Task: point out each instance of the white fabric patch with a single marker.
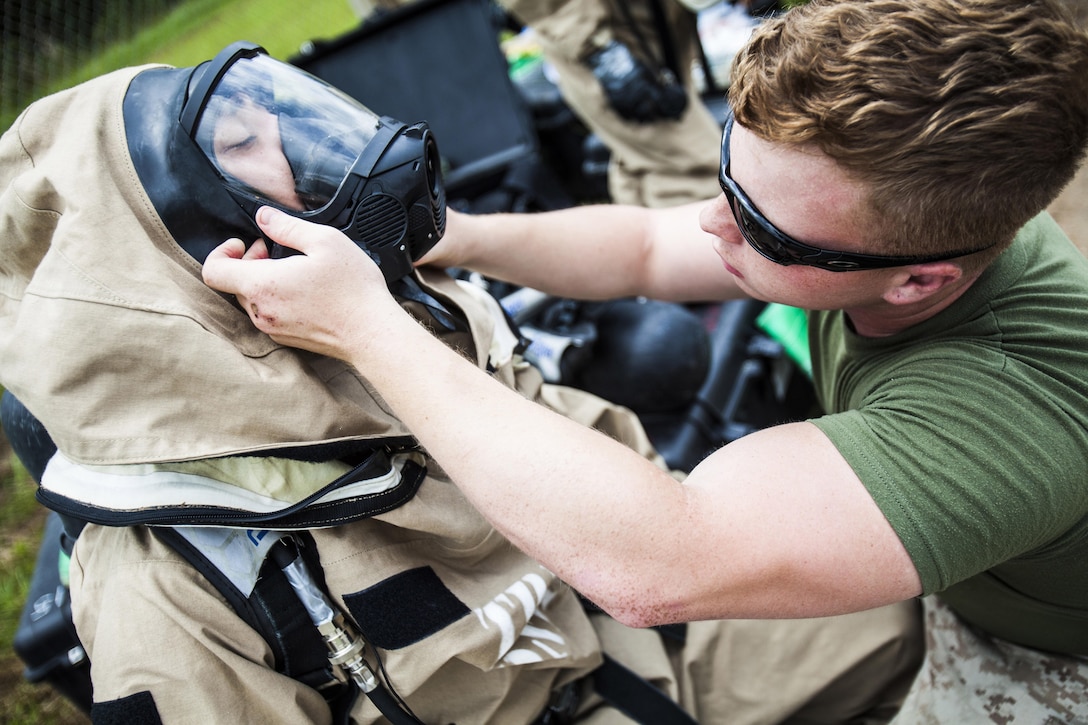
(536, 639)
(238, 553)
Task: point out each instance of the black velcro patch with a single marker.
(405, 608)
(136, 709)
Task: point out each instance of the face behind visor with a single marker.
(260, 131)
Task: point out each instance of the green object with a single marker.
(63, 565)
(788, 326)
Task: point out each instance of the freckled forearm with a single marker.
(569, 496)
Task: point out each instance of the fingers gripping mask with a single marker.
(263, 132)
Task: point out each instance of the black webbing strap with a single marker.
(629, 691)
(668, 60)
(636, 698)
(274, 611)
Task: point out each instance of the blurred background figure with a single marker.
(625, 69)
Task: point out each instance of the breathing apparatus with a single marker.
(246, 130)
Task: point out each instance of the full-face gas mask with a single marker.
(266, 132)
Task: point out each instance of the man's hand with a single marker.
(318, 300)
(448, 251)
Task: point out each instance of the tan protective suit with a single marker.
(139, 372)
(657, 164)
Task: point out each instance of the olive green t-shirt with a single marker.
(970, 430)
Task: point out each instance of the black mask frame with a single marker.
(391, 201)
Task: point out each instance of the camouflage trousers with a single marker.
(968, 677)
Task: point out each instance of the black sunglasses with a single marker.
(783, 249)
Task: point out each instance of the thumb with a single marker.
(298, 234)
(219, 263)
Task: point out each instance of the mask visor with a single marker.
(277, 134)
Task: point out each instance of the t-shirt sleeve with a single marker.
(971, 465)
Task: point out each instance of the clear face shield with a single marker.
(277, 135)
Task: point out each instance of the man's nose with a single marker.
(717, 218)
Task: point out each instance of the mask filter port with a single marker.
(380, 222)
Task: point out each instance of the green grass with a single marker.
(19, 514)
(21, 520)
(195, 31)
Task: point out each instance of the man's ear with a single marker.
(920, 281)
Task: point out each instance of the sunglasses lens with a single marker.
(760, 238)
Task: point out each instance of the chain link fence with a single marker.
(44, 41)
(48, 45)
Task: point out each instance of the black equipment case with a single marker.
(46, 639)
(440, 61)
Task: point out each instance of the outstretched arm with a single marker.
(592, 252)
(773, 525)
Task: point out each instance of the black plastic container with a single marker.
(46, 639)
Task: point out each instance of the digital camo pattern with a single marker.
(968, 677)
